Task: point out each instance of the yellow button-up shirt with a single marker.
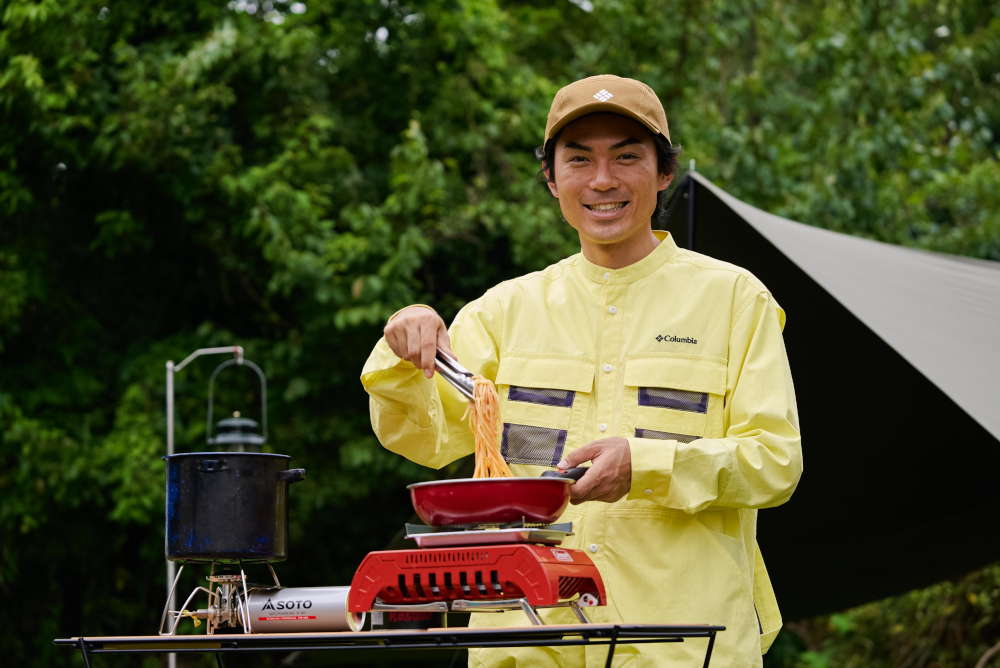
(682, 355)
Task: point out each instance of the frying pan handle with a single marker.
(574, 473)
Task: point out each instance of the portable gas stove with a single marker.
(238, 606)
(479, 568)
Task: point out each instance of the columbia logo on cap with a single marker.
(603, 95)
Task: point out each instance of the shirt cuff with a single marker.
(382, 359)
(652, 466)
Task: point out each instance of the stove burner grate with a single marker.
(487, 526)
(479, 534)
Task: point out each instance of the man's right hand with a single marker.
(415, 334)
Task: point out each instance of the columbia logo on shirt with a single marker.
(670, 338)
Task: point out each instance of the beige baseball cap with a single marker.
(606, 92)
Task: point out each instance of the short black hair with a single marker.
(666, 163)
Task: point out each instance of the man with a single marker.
(663, 368)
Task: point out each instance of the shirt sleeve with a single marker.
(421, 418)
(759, 462)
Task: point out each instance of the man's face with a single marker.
(606, 177)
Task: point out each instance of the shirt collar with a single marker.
(635, 271)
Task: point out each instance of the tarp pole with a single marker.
(690, 199)
(171, 566)
(171, 370)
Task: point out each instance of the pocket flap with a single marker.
(680, 373)
(549, 372)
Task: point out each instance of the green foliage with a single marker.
(185, 174)
(13, 291)
(948, 624)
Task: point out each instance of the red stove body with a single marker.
(542, 575)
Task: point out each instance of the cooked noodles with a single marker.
(484, 421)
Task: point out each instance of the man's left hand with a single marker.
(610, 475)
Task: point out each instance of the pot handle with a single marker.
(574, 473)
(292, 475)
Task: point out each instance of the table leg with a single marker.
(611, 646)
(218, 660)
(83, 651)
(711, 644)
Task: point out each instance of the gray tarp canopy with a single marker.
(896, 363)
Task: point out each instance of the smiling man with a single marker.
(662, 368)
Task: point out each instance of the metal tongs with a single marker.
(454, 373)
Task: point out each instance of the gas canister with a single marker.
(298, 609)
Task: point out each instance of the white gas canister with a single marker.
(302, 609)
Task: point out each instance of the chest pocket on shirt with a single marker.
(543, 402)
(674, 397)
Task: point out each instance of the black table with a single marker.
(454, 638)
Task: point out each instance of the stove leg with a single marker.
(246, 600)
(273, 574)
(166, 607)
(578, 611)
(530, 611)
(83, 651)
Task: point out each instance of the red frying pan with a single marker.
(494, 500)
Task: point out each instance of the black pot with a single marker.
(228, 506)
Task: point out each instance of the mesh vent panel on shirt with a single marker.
(664, 435)
(537, 395)
(679, 400)
(524, 444)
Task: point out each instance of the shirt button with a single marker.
(607, 276)
(647, 491)
(602, 427)
(593, 547)
(612, 310)
(607, 368)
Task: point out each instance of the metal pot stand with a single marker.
(228, 605)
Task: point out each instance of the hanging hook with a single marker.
(263, 392)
